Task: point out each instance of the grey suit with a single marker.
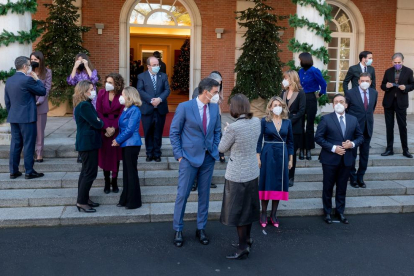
(241, 139)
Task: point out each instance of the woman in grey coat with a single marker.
(241, 196)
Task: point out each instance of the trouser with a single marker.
(131, 193)
(401, 114)
(23, 138)
(310, 114)
(186, 177)
(296, 142)
(40, 138)
(363, 158)
(87, 175)
(153, 125)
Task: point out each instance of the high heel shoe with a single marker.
(107, 188)
(249, 243)
(114, 183)
(308, 155)
(91, 210)
(93, 204)
(239, 255)
(301, 154)
(275, 223)
(263, 223)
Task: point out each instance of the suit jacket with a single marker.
(353, 76)
(20, 98)
(108, 113)
(297, 106)
(88, 126)
(129, 127)
(187, 136)
(241, 138)
(41, 101)
(356, 108)
(145, 88)
(406, 78)
(163, 67)
(329, 134)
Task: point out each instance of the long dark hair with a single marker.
(85, 56)
(118, 82)
(42, 67)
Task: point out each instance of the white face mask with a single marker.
(93, 95)
(109, 87)
(364, 85)
(339, 108)
(285, 83)
(277, 110)
(122, 100)
(215, 99)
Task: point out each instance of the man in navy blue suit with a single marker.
(154, 89)
(20, 98)
(195, 136)
(337, 133)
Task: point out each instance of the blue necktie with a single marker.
(154, 82)
(342, 124)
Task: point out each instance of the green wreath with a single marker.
(7, 37)
(19, 7)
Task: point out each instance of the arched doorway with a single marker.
(157, 9)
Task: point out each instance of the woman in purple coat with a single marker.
(45, 75)
(109, 110)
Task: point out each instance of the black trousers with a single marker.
(334, 175)
(310, 114)
(363, 158)
(401, 114)
(23, 137)
(153, 125)
(296, 142)
(88, 174)
(131, 193)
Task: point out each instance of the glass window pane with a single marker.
(136, 18)
(180, 12)
(334, 10)
(333, 64)
(333, 27)
(332, 74)
(343, 65)
(161, 18)
(345, 42)
(341, 17)
(332, 53)
(331, 87)
(342, 75)
(341, 88)
(344, 54)
(334, 42)
(143, 8)
(346, 27)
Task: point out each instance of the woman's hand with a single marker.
(258, 160)
(85, 62)
(110, 131)
(77, 63)
(290, 162)
(114, 143)
(225, 128)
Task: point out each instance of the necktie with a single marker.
(342, 124)
(365, 100)
(365, 69)
(205, 119)
(154, 82)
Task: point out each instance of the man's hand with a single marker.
(401, 87)
(340, 150)
(34, 76)
(225, 128)
(389, 85)
(179, 159)
(347, 144)
(155, 101)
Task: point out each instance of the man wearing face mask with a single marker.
(364, 66)
(20, 98)
(154, 89)
(362, 101)
(195, 136)
(397, 82)
(337, 133)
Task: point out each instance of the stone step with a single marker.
(170, 177)
(169, 163)
(156, 212)
(164, 194)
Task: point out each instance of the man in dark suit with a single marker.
(163, 67)
(20, 98)
(364, 66)
(362, 101)
(337, 134)
(154, 89)
(398, 81)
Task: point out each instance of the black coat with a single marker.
(353, 76)
(145, 88)
(88, 126)
(356, 108)
(406, 78)
(297, 106)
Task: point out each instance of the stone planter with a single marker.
(258, 107)
(5, 134)
(59, 111)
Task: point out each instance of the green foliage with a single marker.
(321, 30)
(60, 44)
(181, 76)
(19, 7)
(324, 10)
(323, 100)
(297, 47)
(3, 114)
(4, 75)
(7, 37)
(259, 68)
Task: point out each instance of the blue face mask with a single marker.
(369, 62)
(155, 69)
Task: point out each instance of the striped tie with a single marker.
(154, 82)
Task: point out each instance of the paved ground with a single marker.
(369, 245)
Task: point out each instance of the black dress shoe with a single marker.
(387, 153)
(343, 219)
(202, 237)
(33, 175)
(93, 204)
(328, 219)
(213, 186)
(301, 155)
(406, 153)
(149, 158)
(15, 175)
(194, 187)
(361, 183)
(157, 159)
(354, 184)
(308, 155)
(291, 182)
(39, 160)
(239, 254)
(120, 205)
(178, 239)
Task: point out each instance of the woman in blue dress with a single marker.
(275, 157)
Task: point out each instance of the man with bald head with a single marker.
(154, 90)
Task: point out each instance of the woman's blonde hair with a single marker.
(269, 112)
(132, 96)
(80, 92)
(293, 79)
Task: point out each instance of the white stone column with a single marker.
(303, 35)
(13, 22)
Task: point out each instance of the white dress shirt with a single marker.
(201, 105)
(362, 94)
(339, 120)
(363, 68)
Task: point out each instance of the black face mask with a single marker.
(81, 67)
(34, 64)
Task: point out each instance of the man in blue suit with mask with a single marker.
(195, 136)
(20, 98)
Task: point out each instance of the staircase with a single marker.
(50, 201)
